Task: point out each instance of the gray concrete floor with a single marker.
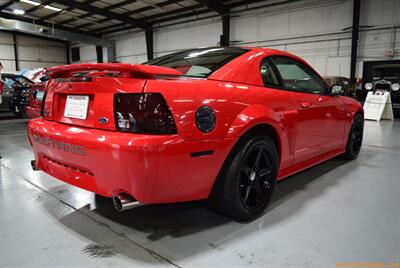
(335, 212)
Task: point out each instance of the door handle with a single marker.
(305, 105)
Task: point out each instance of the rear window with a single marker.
(201, 62)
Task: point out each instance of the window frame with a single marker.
(278, 74)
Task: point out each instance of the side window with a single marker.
(299, 77)
(268, 74)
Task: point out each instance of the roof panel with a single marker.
(42, 12)
(151, 12)
(137, 16)
(172, 7)
(135, 5)
(119, 10)
(64, 16)
(79, 11)
(188, 3)
(99, 17)
(99, 4)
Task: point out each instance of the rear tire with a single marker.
(354, 141)
(246, 181)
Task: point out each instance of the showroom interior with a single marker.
(336, 213)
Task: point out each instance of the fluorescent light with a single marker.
(30, 2)
(53, 8)
(18, 11)
(38, 4)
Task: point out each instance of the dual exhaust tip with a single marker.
(124, 202)
(121, 201)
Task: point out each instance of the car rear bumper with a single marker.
(151, 168)
(33, 112)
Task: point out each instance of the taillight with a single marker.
(143, 113)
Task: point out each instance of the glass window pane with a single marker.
(297, 76)
(199, 62)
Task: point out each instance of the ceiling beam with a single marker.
(149, 18)
(6, 4)
(29, 29)
(52, 15)
(42, 4)
(179, 14)
(43, 23)
(111, 7)
(104, 12)
(147, 8)
(215, 5)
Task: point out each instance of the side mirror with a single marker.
(336, 90)
(369, 86)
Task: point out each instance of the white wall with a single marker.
(32, 52)
(311, 29)
(38, 53)
(132, 48)
(87, 54)
(7, 51)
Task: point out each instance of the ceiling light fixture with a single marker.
(18, 11)
(33, 3)
(53, 8)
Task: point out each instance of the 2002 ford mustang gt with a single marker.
(222, 124)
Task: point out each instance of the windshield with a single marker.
(200, 62)
(387, 73)
(17, 80)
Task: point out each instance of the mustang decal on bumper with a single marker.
(66, 147)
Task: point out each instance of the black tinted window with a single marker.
(299, 77)
(198, 62)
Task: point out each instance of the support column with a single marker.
(149, 43)
(68, 52)
(16, 57)
(99, 53)
(354, 39)
(226, 29)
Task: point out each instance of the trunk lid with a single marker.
(91, 87)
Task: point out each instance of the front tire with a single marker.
(355, 138)
(246, 182)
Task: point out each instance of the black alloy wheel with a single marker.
(256, 178)
(355, 138)
(247, 179)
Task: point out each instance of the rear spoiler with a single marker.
(126, 70)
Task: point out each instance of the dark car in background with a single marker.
(15, 92)
(35, 99)
(37, 93)
(385, 78)
(349, 89)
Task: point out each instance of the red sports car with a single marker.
(223, 124)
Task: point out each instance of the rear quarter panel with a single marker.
(238, 108)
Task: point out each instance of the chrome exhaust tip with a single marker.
(34, 166)
(124, 202)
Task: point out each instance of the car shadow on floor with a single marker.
(168, 227)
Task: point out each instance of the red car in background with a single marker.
(223, 124)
